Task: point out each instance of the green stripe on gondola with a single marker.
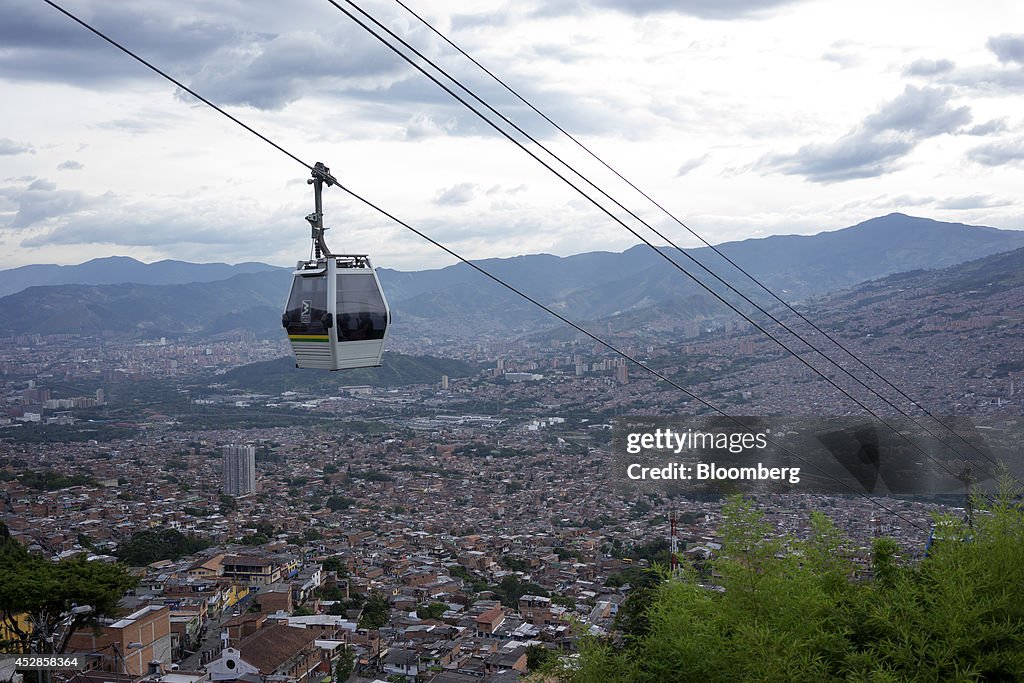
(309, 338)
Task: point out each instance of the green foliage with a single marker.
(335, 503)
(516, 564)
(341, 604)
(376, 612)
(86, 542)
(883, 561)
(48, 480)
(149, 546)
(255, 539)
(76, 433)
(597, 661)
(564, 601)
(47, 590)
(431, 469)
(632, 576)
(793, 610)
(332, 593)
(599, 522)
(432, 611)
(346, 664)
(228, 504)
(632, 616)
(653, 551)
(474, 582)
(512, 588)
(641, 508)
(230, 417)
(537, 656)
(334, 564)
(363, 427)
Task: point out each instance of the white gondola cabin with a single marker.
(336, 316)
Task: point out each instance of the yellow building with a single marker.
(234, 593)
(9, 641)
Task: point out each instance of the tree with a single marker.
(334, 564)
(149, 546)
(346, 664)
(48, 591)
(511, 589)
(336, 503)
(537, 656)
(790, 611)
(376, 612)
(227, 504)
(432, 611)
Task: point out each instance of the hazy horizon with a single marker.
(230, 262)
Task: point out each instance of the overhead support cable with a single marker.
(615, 218)
(482, 271)
(692, 232)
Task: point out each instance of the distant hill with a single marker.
(117, 269)
(974, 279)
(811, 265)
(249, 302)
(597, 285)
(280, 374)
(457, 301)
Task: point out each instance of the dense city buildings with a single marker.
(435, 529)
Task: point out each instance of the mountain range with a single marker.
(175, 298)
(120, 269)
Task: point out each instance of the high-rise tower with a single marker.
(239, 470)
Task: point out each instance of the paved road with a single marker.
(211, 643)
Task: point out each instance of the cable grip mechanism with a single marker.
(321, 174)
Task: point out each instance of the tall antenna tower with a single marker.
(673, 542)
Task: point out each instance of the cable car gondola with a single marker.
(336, 315)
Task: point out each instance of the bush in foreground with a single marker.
(792, 611)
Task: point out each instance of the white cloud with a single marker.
(657, 88)
(1008, 47)
(999, 153)
(974, 201)
(877, 144)
(9, 147)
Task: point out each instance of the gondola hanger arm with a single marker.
(321, 174)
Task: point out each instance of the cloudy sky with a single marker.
(745, 117)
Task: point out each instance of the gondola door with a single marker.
(361, 314)
(308, 318)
